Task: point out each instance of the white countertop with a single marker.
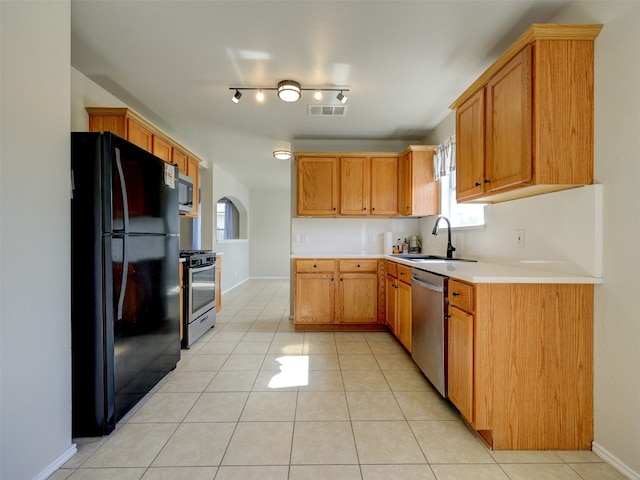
(477, 272)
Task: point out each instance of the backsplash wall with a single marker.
(347, 235)
(563, 233)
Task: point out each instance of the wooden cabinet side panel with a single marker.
(534, 365)
(563, 106)
(425, 191)
(509, 115)
(193, 171)
(384, 186)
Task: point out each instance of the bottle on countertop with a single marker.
(405, 246)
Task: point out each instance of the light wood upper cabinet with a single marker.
(193, 171)
(317, 186)
(369, 186)
(470, 148)
(384, 186)
(132, 127)
(162, 149)
(418, 192)
(534, 108)
(355, 185)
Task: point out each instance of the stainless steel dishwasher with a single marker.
(429, 330)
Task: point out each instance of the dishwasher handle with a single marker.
(429, 286)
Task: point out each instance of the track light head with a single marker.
(289, 90)
(342, 98)
(236, 96)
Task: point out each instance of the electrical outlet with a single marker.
(305, 238)
(519, 237)
(296, 238)
(370, 238)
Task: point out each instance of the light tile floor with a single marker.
(253, 399)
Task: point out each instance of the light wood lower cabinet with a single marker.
(398, 307)
(336, 293)
(521, 366)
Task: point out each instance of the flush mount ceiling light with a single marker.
(282, 154)
(289, 91)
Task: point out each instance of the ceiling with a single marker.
(404, 63)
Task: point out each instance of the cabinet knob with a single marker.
(334, 209)
(455, 294)
(315, 266)
(373, 208)
(486, 180)
(358, 265)
(478, 184)
(364, 208)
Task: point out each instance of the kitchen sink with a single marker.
(419, 258)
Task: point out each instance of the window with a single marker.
(459, 214)
(227, 220)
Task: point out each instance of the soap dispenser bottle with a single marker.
(405, 246)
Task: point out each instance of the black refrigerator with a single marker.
(124, 278)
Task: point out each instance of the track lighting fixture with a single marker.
(289, 91)
(282, 154)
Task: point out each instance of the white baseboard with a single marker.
(57, 463)
(614, 461)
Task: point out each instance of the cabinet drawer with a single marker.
(461, 295)
(404, 274)
(315, 265)
(354, 265)
(392, 268)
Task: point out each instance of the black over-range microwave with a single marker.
(185, 193)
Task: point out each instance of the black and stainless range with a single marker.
(199, 294)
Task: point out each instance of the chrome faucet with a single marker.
(450, 248)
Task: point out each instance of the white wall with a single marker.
(617, 167)
(235, 260)
(35, 312)
(270, 233)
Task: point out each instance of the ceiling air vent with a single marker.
(326, 110)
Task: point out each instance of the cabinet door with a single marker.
(193, 171)
(391, 294)
(358, 298)
(354, 186)
(161, 149)
(403, 330)
(509, 114)
(470, 148)
(460, 362)
(384, 186)
(317, 186)
(140, 136)
(314, 298)
(179, 158)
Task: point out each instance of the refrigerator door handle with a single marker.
(123, 189)
(125, 250)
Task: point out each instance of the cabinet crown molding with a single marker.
(536, 32)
